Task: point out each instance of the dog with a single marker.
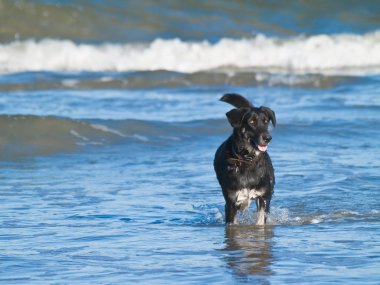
(242, 165)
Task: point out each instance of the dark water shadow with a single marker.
(249, 252)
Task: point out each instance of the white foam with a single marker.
(340, 53)
(108, 130)
(141, 138)
(77, 135)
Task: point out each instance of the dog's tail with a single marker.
(236, 100)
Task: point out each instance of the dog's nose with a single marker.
(267, 138)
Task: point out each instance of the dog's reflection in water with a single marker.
(249, 250)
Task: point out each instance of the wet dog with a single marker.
(242, 164)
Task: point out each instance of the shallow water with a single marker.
(107, 174)
(138, 200)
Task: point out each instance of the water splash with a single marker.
(214, 215)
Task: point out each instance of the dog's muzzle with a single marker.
(264, 140)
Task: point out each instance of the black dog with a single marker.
(242, 165)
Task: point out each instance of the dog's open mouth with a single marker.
(262, 148)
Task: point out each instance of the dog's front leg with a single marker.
(263, 206)
(231, 213)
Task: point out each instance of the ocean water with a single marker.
(109, 121)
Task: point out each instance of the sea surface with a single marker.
(110, 118)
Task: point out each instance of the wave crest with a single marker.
(338, 54)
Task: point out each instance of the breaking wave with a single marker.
(326, 54)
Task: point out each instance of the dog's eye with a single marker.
(265, 121)
(252, 122)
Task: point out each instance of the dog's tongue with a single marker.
(262, 148)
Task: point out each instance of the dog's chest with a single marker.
(246, 177)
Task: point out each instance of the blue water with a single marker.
(106, 173)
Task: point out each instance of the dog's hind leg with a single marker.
(231, 214)
(263, 206)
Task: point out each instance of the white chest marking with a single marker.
(244, 197)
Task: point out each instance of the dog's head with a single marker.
(250, 122)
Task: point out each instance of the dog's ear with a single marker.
(235, 116)
(270, 114)
(236, 100)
